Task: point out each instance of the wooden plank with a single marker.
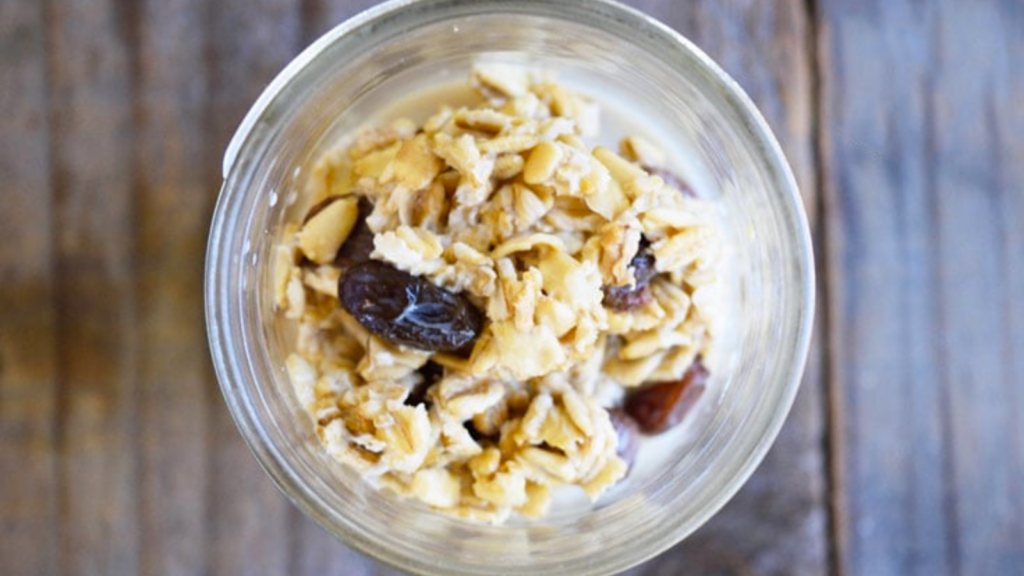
(1005, 123)
(319, 16)
(923, 147)
(778, 523)
(92, 162)
(883, 304)
(28, 364)
(174, 198)
(248, 519)
(978, 147)
(316, 552)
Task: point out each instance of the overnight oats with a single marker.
(489, 307)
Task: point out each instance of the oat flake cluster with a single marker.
(506, 205)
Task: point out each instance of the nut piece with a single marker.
(415, 165)
(622, 170)
(507, 166)
(316, 208)
(544, 159)
(327, 229)
(359, 244)
(643, 151)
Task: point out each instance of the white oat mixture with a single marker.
(506, 209)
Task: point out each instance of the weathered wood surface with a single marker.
(91, 95)
(249, 42)
(29, 479)
(172, 208)
(923, 147)
(117, 455)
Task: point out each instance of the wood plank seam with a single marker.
(213, 405)
(78, 555)
(128, 15)
(830, 444)
(61, 403)
(58, 370)
(835, 455)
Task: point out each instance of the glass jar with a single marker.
(332, 88)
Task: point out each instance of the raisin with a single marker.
(628, 297)
(627, 430)
(359, 244)
(672, 179)
(662, 405)
(430, 373)
(624, 298)
(407, 310)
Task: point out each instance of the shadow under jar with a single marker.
(400, 47)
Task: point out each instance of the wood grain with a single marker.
(28, 358)
(319, 16)
(92, 140)
(174, 195)
(978, 166)
(248, 519)
(923, 147)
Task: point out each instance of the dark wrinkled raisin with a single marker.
(624, 298)
(319, 206)
(643, 263)
(662, 405)
(408, 310)
(627, 430)
(430, 373)
(628, 297)
(672, 179)
(359, 244)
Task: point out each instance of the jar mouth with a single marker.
(236, 340)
